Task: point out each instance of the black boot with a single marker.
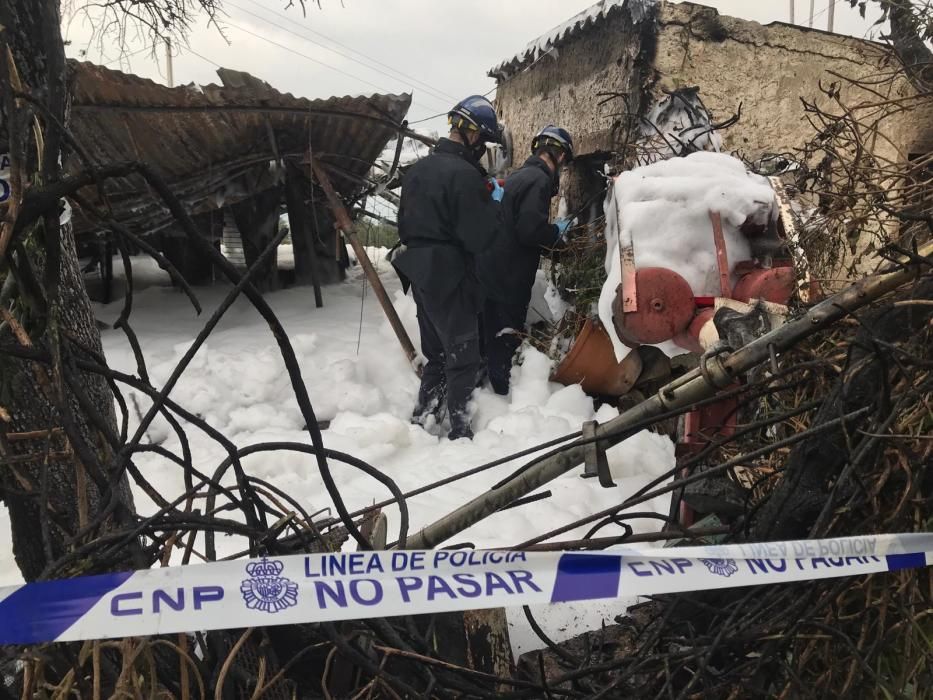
(435, 406)
(460, 428)
(463, 366)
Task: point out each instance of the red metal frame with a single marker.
(718, 419)
(700, 426)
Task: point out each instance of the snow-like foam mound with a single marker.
(664, 210)
(237, 382)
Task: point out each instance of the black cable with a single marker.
(358, 53)
(312, 59)
(229, 3)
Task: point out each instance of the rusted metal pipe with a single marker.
(346, 225)
(722, 258)
(715, 373)
(627, 257)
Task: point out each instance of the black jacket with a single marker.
(507, 271)
(446, 217)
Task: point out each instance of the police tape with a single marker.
(357, 585)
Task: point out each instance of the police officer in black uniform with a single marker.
(446, 217)
(507, 271)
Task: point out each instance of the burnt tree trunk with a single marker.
(258, 220)
(299, 221)
(55, 436)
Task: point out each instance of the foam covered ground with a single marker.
(359, 379)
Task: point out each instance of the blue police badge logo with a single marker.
(266, 589)
(721, 567)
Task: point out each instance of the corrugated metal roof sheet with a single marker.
(202, 138)
(550, 41)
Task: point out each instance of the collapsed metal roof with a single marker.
(218, 143)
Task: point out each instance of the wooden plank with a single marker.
(488, 646)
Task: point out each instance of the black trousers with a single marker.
(502, 325)
(451, 345)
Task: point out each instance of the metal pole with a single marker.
(719, 372)
(169, 76)
(601, 542)
(791, 11)
(722, 258)
(345, 225)
(832, 15)
(812, 7)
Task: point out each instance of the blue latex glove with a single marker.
(497, 190)
(562, 226)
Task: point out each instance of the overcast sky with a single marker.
(442, 47)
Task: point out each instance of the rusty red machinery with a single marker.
(654, 305)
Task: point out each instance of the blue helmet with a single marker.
(554, 136)
(476, 112)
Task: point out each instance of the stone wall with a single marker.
(768, 69)
(606, 75)
(572, 85)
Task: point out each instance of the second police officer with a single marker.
(508, 269)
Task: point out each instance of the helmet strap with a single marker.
(476, 149)
(552, 153)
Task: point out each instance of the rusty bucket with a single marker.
(592, 363)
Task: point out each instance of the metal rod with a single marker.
(627, 271)
(345, 225)
(714, 373)
(812, 7)
(722, 258)
(832, 15)
(602, 542)
(791, 11)
(534, 498)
